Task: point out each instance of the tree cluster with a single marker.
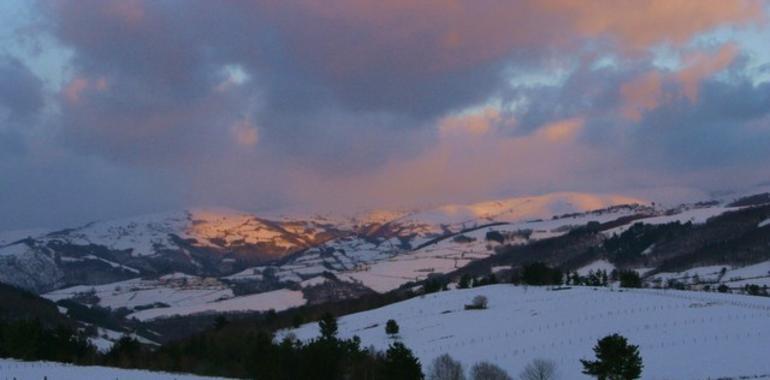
(541, 274)
(468, 281)
(31, 340)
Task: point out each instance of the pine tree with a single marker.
(391, 327)
(615, 360)
(465, 282)
(328, 326)
(401, 364)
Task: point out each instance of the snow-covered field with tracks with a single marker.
(681, 335)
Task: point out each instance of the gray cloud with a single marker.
(21, 99)
(150, 118)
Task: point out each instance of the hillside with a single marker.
(718, 335)
(15, 369)
(18, 304)
(166, 266)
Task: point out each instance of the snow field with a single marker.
(277, 300)
(20, 370)
(681, 335)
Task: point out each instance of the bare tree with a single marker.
(446, 368)
(539, 369)
(488, 371)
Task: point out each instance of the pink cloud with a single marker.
(446, 35)
(78, 86)
(646, 92)
(640, 24)
(702, 65)
(642, 94)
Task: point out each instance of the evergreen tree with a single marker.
(401, 364)
(391, 327)
(328, 326)
(630, 279)
(297, 320)
(605, 279)
(220, 322)
(541, 274)
(465, 282)
(616, 359)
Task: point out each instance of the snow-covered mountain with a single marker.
(220, 242)
(214, 260)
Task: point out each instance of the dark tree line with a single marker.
(222, 351)
(31, 340)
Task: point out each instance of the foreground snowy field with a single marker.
(681, 335)
(19, 370)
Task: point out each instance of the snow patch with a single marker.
(596, 266)
(277, 300)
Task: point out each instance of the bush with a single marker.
(539, 369)
(479, 303)
(446, 368)
(615, 359)
(391, 327)
(488, 371)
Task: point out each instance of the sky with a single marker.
(117, 108)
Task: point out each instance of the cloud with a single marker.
(646, 92)
(21, 92)
(270, 103)
(21, 99)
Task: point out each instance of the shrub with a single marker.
(479, 302)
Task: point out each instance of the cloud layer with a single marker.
(369, 103)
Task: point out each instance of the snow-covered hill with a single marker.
(220, 242)
(21, 370)
(212, 260)
(717, 335)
